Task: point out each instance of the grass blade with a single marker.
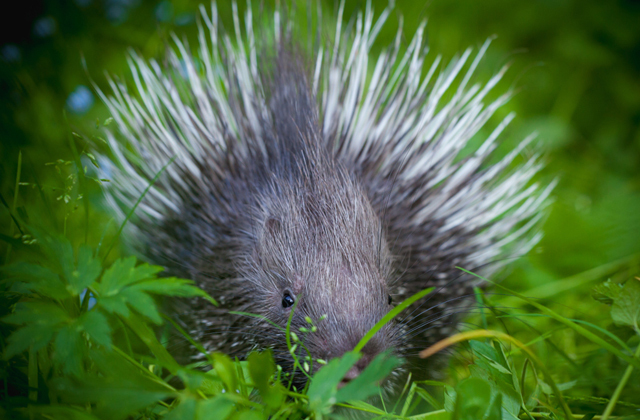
(389, 316)
(577, 328)
(135, 206)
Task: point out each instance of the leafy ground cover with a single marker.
(82, 338)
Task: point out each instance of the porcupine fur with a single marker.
(337, 182)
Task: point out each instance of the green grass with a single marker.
(80, 340)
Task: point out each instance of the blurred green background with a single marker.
(575, 67)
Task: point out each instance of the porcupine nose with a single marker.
(351, 375)
(355, 370)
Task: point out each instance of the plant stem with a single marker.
(144, 370)
(135, 206)
(619, 388)
(14, 205)
(33, 375)
(480, 301)
(575, 416)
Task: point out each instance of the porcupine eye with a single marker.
(287, 300)
(390, 300)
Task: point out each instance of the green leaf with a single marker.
(120, 389)
(626, 306)
(148, 337)
(172, 286)
(97, 327)
(58, 412)
(366, 407)
(114, 304)
(261, 369)
(566, 321)
(607, 292)
(474, 401)
(510, 399)
(324, 384)
(251, 415)
(492, 366)
(116, 276)
(37, 312)
(41, 320)
(34, 336)
(69, 350)
(125, 286)
(218, 408)
(86, 272)
(185, 410)
(367, 383)
(115, 396)
(36, 279)
(142, 303)
(450, 398)
(225, 369)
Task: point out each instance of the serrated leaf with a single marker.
(114, 304)
(116, 276)
(36, 279)
(69, 349)
(123, 272)
(86, 271)
(626, 307)
(97, 327)
(366, 384)
(125, 286)
(492, 367)
(510, 399)
(37, 312)
(118, 392)
(31, 336)
(141, 303)
(606, 292)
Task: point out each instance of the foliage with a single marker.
(83, 343)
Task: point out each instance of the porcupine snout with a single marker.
(321, 247)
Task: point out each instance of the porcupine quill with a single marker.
(338, 185)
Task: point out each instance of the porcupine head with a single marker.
(319, 183)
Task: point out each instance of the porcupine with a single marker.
(330, 184)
